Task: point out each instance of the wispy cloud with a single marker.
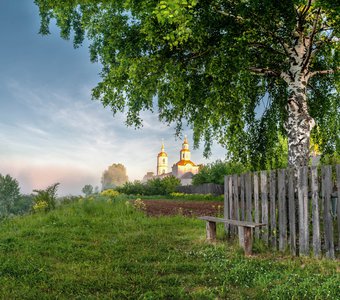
(81, 136)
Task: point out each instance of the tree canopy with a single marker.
(239, 72)
(9, 194)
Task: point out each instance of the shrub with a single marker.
(109, 193)
(45, 200)
(155, 186)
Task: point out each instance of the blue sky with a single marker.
(50, 129)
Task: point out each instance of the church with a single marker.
(184, 169)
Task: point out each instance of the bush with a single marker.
(156, 186)
(45, 200)
(110, 193)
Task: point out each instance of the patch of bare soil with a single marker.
(185, 208)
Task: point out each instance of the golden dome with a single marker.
(160, 154)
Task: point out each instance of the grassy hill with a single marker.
(105, 250)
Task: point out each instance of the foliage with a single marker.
(22, 205)
(155, 186)
(96, 249)
(114, 176)
(139, 204)
(331, 159)
(219, 65)
(196, 197)
(215, 172)
(9, 194)
(109, 193)
(45, 200)
(87, 189)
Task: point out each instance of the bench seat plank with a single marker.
(232, 222)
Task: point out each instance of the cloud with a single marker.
(70, 139)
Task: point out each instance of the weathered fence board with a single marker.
(282, 210)
(236, 215)
(264, 203)
(328, 223)
(338, 204)
(292, 214)
(226, 203)
(315, 212)
(242, 206)
(303, 231)
(256, 204)
(272, 196)
(248, 197)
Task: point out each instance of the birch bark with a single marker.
(299, 123)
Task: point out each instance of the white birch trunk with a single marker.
(299, 123)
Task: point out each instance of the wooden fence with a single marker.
(206, 188)
(301, 211)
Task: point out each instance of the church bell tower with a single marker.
(162, 161)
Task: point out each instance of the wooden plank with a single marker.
(242, 206)
(248, 241)
(315, 212)
(236, 197)
(256, 203)
(338, 204)
(328, 224)
(211, 231)
(282, 210)
(231, 203)
(292, 215)
(300, 182)
(303, 210)
(272, 196)
(264, 204)
(248, 197)
(226, 203)
(233, 222)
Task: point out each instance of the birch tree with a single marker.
(239, 72)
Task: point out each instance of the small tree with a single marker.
(46, 199)
(87, 190)
(114, 176)
(9, 194)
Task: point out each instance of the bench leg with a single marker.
(248, 240)
(211, 230)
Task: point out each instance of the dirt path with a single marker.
(186, 208)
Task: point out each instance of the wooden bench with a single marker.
(247, 227)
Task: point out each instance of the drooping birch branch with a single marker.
(324, 72)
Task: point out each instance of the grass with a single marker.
(108, 250)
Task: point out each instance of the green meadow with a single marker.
(92, 249)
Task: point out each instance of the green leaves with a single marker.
(192, 61)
